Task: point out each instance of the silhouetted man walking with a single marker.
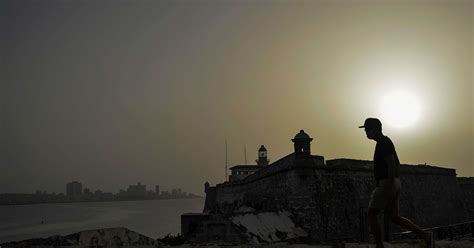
(387, 192)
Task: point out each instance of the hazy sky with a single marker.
(110, 93)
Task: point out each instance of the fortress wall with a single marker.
(467, 189)
(327, 200)
(431, 199)
(339, 196)
(267, 194)
(266, 190)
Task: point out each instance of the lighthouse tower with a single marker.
(262, 156)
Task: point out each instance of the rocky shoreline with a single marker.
(108, 237)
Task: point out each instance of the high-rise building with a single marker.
(157, 189)
(174, 193)
(138, 190)
(74, 188)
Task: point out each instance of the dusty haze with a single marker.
(110, 93)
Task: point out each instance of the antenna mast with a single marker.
(245, 154)
(225, 161)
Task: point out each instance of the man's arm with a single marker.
(392, 170)
(391, 166)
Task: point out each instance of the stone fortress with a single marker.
(303, 197)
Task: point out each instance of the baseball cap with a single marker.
(372, 123)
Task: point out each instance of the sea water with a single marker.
(152, 218)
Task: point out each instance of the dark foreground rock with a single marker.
(122, 237)
(107, 237)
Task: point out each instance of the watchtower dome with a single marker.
(302, 143)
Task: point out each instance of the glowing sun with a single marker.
(400, 109)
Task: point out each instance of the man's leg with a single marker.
(407, 224)
(393, 211)
(375, 227)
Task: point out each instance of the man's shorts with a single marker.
(382, 198)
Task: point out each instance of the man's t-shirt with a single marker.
(384, 148)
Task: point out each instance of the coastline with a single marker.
(105, 200)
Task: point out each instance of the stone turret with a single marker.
(302, 143)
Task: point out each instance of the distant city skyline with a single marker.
(77, 192)
(110, 93)
(82, 188)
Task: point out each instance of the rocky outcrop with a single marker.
(268, 227)
(108, 237)
(244, 226)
